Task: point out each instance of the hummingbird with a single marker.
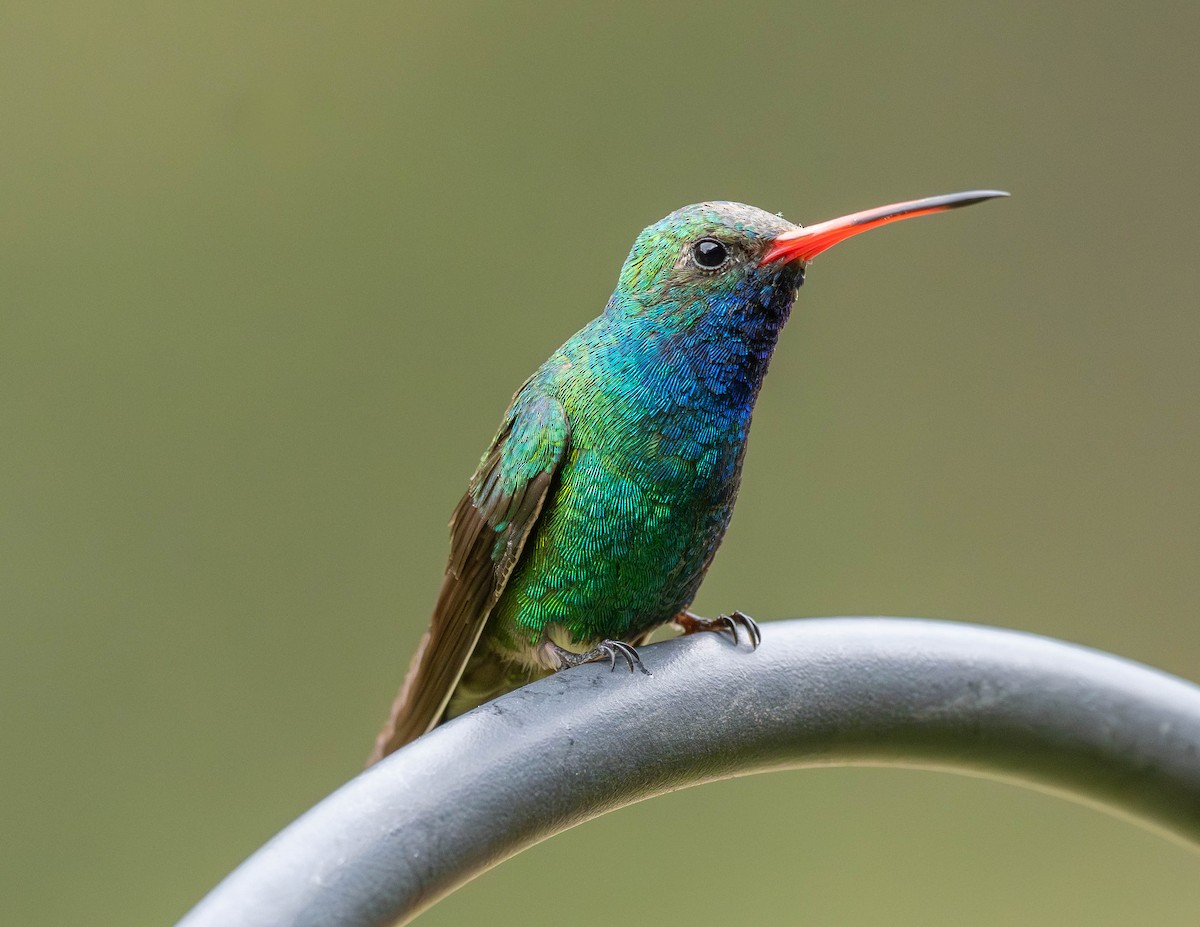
(601, 501)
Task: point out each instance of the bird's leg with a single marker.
(560, 658)
(722, 624)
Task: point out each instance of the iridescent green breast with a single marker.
(641, 502)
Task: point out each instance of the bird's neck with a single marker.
(728, 353)
(727, 347)
(690, 360)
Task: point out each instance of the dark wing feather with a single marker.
(487, 533)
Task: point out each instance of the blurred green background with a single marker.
(270, 273)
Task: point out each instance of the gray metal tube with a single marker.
(819, 692)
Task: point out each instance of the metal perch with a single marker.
(820, 692)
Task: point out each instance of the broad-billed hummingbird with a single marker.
(604, 495)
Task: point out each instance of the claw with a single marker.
(627, 652)
(722, 624)
(753, 631)
(609, 649)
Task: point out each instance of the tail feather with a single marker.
(404, 725)
(487, 675)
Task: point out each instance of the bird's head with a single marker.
(738, 261)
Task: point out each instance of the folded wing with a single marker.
(488, 531)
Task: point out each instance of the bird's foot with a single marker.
(605, 650)
(722, 624)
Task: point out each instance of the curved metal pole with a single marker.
(818, 692)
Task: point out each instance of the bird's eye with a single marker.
(709, 254)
